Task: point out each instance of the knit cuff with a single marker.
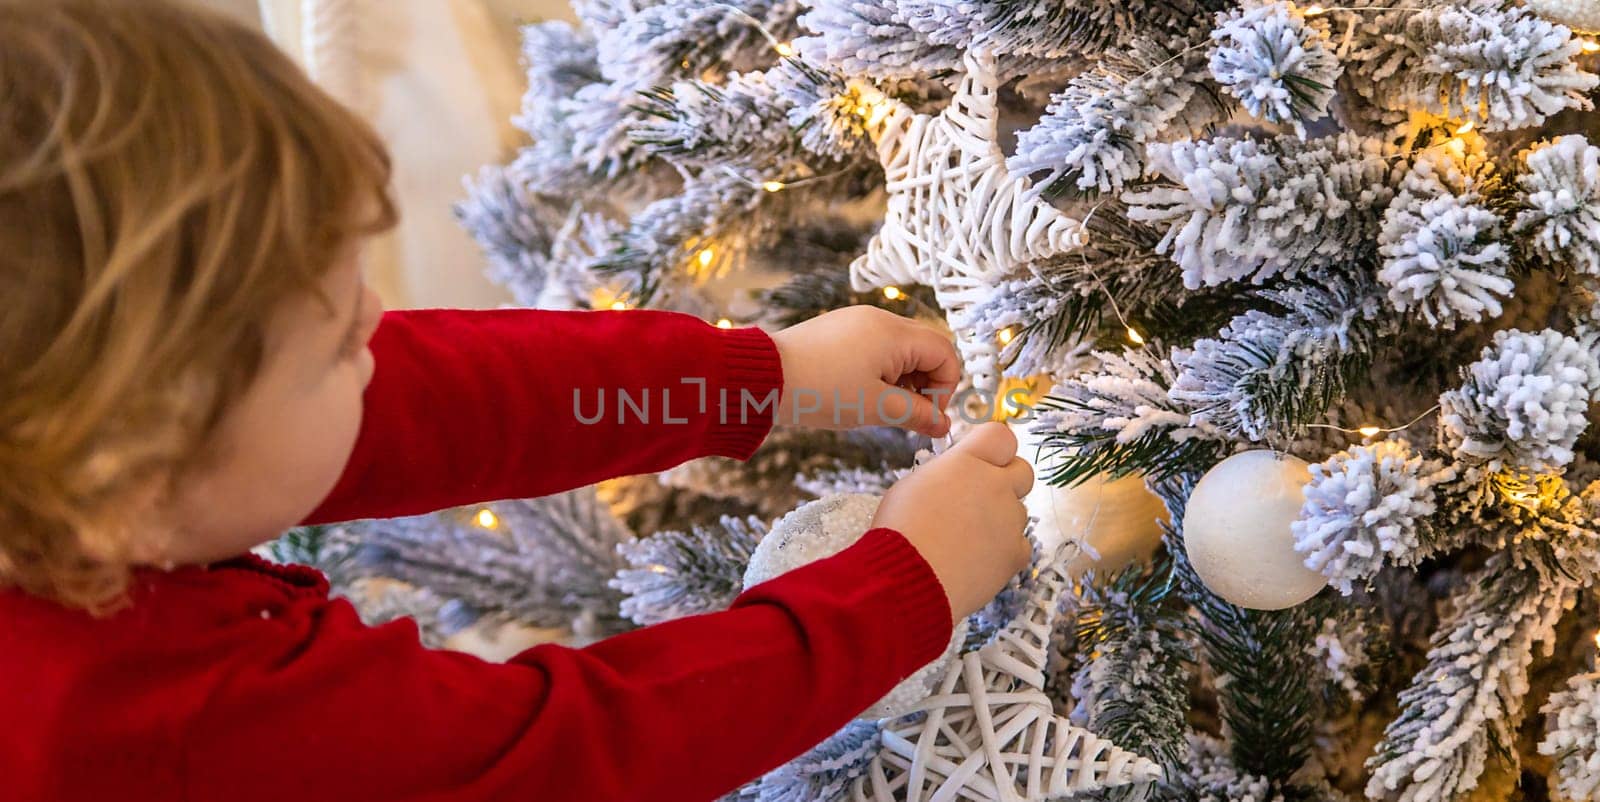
(921, 608)
(748, 395)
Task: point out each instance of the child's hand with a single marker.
(864, 366)
(963, 512)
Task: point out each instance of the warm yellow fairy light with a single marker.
(1589, 46)
(773, 186)
(486, 519)
(784, 49)
(1006, 335)
(1369, 430)
(1018, 396)
(724, 324)
(1597, 640)
(1315, 10)
(873, 106)
(1529, 491)
(1134, 336)
(1464, 128)
(706, 256)
(892, 293)
(618, 306)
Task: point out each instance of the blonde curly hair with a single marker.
(167, 179)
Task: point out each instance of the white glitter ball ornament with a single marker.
(823, 528)
(1582, 16)
(1236, 531)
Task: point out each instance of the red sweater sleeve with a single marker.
(319, 707)
(478, 405)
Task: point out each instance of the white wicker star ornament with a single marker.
(957, 219)
(989, 734)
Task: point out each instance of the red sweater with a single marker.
(243, 681)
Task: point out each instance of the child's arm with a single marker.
(470, 406)
(685, 711)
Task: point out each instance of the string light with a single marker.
(1134, 336)
(724, 324)
(873, 106)
(784, 49)
(1464, 128)
(1531, 492)
(486, 519)
(1589, 46)
(1373, 429)
(893, 293)
(1006, 335)
(618, 306)
(1014, 404)
(1597, 640)
(706, 256)
(1315, 10)
(773, 186)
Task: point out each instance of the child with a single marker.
(192, 362)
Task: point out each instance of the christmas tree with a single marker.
(1305, 305)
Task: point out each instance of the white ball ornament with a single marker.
(1236, 531)
(1582, 16)
(823, 528)
(1118, 521)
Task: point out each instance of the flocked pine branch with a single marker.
(1573, 737)
(585, 84)
(516, 229)
(1050, 29)
(871, 38)
(823, 774)
(1065, 302)
(661, 42)
(822, 244)
(830, 113)
(1011, 28)
(1093, 135)
(1444, 247)
(1466, 704)
(675, 574)
(1119, 420)
(562, 65)
(381, 601)
(1133, 686)
(1523, 404)
(810, 294)
(544, 562)
(703, 125)
(1276, 61)
(1496, 64)
(1248, 210)
(1561, 195)
(1210, 774)
(1030, 35)
(1370, 506)
(699, 232)
(1275, 371)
